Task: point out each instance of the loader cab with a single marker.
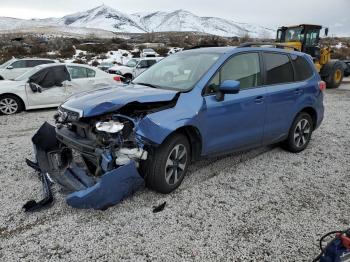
(305, 38)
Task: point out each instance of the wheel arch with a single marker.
(194, 137)
(313, 113)
(17, 96)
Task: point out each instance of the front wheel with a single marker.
(10, 105)
(167, 166)
(300, 133)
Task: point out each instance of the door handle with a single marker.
(298, 91)
(259, 100)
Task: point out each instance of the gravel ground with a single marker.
(261, 205)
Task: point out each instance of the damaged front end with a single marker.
(95, 159)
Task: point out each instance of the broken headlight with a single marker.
(111, 126)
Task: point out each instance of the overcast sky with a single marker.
(271, 13)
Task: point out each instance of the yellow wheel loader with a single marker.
(306, 38)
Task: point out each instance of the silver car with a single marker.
(47, 86)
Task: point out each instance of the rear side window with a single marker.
(279, 69)
(302, 68)
(90, 73)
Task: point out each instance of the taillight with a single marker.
(117, 78)
(322, 85)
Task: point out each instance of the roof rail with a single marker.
(277, 45)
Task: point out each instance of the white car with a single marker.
(175, 50)
(134, 67)
(16, 67)
(49, 85)
(149, 52)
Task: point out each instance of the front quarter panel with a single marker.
(16, 88)
(158, 126)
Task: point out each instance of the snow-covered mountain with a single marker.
(109, 19)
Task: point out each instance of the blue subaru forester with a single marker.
(194, 104)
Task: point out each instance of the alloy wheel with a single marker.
(176, 164)
(8, 106)
(302, 132)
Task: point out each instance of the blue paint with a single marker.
(101, 101)
(112, 188)
(238, 122)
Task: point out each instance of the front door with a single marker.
(50, 82)
(238, 121)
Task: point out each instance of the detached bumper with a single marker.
(86, 191)
(111, 189)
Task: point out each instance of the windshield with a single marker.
(131, 63)
(26, 75)
(180, 71)
(6, 64)
(148, 50)
(295, 34)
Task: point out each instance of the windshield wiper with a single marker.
(146, 84)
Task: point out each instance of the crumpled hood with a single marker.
(105, 100)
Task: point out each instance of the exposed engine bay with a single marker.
(108, 141)
(95, 159)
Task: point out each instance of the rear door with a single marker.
(85, 79)
(282, 95)
(81, 80)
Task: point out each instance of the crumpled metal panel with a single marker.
(101, 101)
(112, 188)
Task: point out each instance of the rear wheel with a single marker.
(167, 167)
(336, 76)
(300, 133)
(10, 105)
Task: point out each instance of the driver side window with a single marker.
(244, 68)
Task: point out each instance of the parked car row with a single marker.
(134, 67)
(48, 85)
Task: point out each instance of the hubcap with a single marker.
(176, 164)
(302, 133)
(8, 106)
(337, 76)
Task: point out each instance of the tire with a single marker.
(1, 78)
(300, 133)
(10, 104)
(160, 169)
(336, 76)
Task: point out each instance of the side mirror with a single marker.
(34, 87)
(10, 67)
(326, 31)
(228, 87)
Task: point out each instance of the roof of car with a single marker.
(36, 58)
(233, 49)
(60, 64)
